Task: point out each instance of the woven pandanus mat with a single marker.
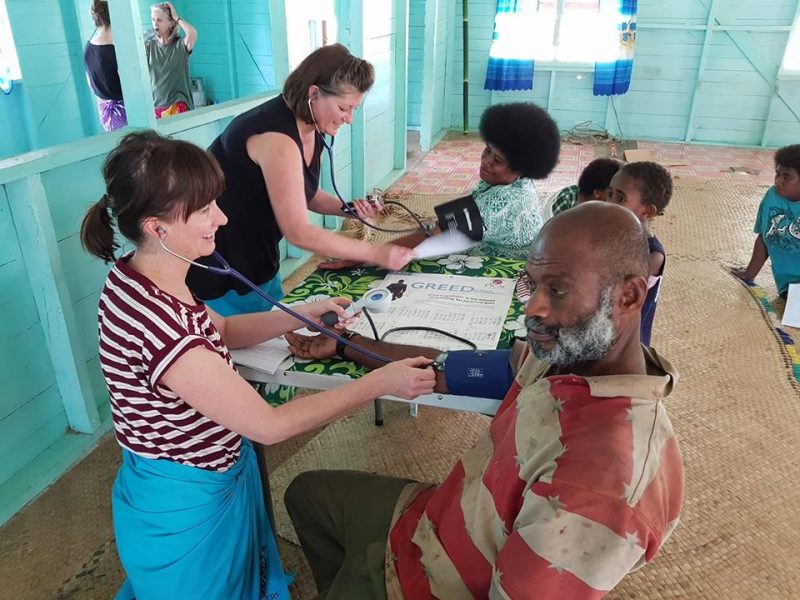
(736, 413)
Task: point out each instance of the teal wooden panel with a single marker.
(26, 372)
(34, 441)
(70, 191)
(12, 124)
(665, 70)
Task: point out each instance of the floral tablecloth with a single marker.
(354, 283)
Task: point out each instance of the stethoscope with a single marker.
(349, 209)
(225, 269)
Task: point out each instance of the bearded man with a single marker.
(579, 479)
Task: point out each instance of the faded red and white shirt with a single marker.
(578, 483)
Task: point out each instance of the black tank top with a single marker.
(249, 241)
(101, 67)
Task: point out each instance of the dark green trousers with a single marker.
(342, 520)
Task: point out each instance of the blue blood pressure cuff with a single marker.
(482, 373)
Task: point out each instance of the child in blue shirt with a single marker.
(645, 189)
(778, 224)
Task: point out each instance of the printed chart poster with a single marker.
(474, 308)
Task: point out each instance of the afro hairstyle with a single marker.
(597, 175)
(525, 134)
(655, 180)
(789, 157)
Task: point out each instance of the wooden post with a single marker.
(133, 72)
(710, 23)
(30, 212)
(400, 83)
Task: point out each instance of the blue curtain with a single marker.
(511, 57)
(614, 76)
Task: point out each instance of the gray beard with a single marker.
(590, 340)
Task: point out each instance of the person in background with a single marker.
(100, 61)
(168, 60)
(579, 480)
(645, 188)
(188, 506)
(592, 185)
(271, 159)
(522, 144)
(777, 226)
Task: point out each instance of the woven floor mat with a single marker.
(710, 220)
(423, 448)
(737, 415)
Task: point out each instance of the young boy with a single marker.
(778, 224)
(645, 189)
(592, 185)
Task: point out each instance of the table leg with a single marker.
(378, 412)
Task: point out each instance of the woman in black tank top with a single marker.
(271, 159)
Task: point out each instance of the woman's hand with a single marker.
(407, 378)
(313, 347)
(366, 209)
(173, 13)
(393, 257)
(315, 310)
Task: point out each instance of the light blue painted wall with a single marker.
(416, 53)
(735, 88)
(14, 138)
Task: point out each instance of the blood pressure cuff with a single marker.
(461, 214)
(482, 373)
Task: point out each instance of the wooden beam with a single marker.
(400, 83)
(428, 75)
(551, 90)
(27, 201)
(652, 25)
(133, 72)
(450, 62)
(280, 45)
(698, 82)
(230, 45)
(351, 12)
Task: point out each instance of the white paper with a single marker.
(474, 308)
(791, 315)
(266, 356)
(447, 242)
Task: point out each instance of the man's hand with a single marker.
(314, 347)
(336, 264)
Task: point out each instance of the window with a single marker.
(310, 25)
(9, 64)
(571, 31)
(791, 57)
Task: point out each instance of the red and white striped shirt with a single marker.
(579, 482)
(143, 331)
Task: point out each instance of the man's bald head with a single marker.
(615, 238)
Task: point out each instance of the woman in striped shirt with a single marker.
(189, 516)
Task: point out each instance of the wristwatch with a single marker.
(348, 335)
(438, 362)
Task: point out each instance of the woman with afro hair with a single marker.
(522, 144)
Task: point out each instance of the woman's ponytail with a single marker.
(97, 231)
